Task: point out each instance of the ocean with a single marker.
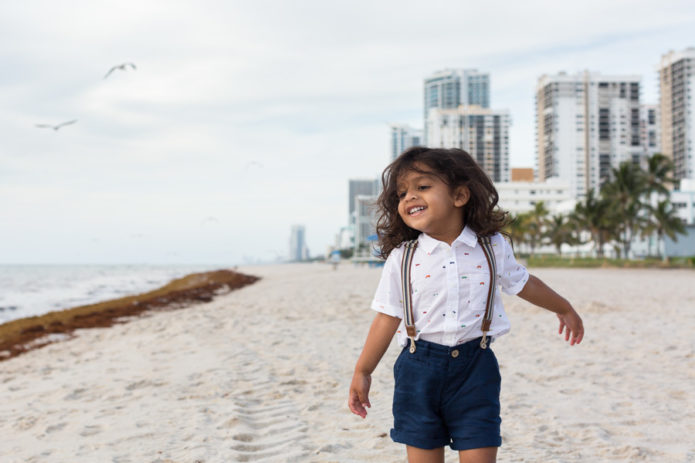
(27, 290)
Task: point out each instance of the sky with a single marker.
(242, 119)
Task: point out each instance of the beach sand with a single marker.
(262, 374)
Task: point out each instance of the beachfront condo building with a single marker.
(586, 124)
(363, 194)
(403, 137)
(298, 248)
(482, 132)
(365, 225)
(365, 187)
(451, 88)
(522, 196)
(677, 110)
(650, 130)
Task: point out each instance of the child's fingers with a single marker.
(577, 336)
(355, 405)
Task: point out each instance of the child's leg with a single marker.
(483, 455)
(416, 455)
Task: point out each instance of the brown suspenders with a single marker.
(409, 320)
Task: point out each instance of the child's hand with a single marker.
(571, 322)
(359, 394)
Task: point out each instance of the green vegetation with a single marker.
(594, 262)
(622, 210)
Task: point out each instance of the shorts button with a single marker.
(454, 353)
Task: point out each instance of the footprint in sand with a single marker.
(269, 424)
(90, 430)
(55, 427)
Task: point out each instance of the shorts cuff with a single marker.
(418, 440)
(476, 442)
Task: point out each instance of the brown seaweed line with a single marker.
(23, 335)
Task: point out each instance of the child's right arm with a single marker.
(380, 334)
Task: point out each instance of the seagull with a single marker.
(55, 127)
(120, 67)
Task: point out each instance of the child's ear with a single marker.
(461, 196)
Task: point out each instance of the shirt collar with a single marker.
(467, 237)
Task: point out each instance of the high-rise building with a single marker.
(676, 95)
(365, 224)
(452, 88)
(586, 124)
(650, 130)
(403, 137)
(482, 132)
(298, 247)
(368, 187)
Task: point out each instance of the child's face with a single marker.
(427, 204)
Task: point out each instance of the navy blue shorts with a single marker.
(447, 396)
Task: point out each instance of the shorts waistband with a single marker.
(434, 349)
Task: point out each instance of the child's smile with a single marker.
(428, 204)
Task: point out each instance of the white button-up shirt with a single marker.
(450, 286)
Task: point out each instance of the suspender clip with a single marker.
(412, 345)
(483, 342)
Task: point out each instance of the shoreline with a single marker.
(25, 334)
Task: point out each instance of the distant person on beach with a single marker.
(439, 230)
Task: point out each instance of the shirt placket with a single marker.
(452, 299)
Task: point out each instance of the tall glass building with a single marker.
(451, 88)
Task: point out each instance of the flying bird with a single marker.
(55, 127)
(120, 67)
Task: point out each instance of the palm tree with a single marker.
(593, 214)
(561, 229)
(517, 228)
(658, 174)
(624, 190)
(536, 225)
(665, 221)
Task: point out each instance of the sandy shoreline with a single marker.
(261, 374)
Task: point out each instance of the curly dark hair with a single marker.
(456, 168)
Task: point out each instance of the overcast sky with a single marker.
(244, 118)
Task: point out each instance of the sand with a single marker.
(262, 374)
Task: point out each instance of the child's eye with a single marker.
(401, 195)
(423, 187)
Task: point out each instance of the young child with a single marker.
(447, 389)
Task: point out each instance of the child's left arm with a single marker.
(540, 294)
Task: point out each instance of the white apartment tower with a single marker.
(364, 187)
(482, 132)
(586, 124)
(676, 94)
(650, 130)
(450, 88)
(403, 137)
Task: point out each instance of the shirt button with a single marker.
(455, 353)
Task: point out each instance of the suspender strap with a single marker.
(406, 288)
(489, 307)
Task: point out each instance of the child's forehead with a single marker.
(414, 174)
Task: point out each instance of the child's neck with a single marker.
(448, 236)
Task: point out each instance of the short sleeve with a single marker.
(387, 298)
(513, 276)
